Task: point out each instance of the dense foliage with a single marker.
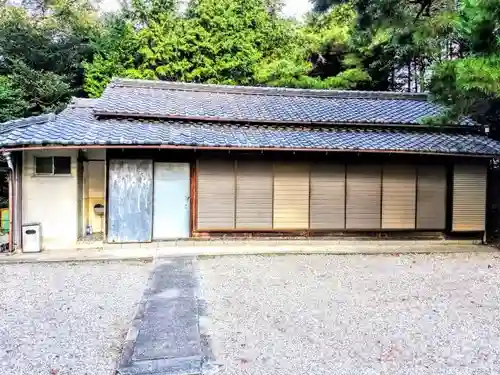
(42, 47)
(470, 84)
(230, 42)
(51, 50)
(451, 48)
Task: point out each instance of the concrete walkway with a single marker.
(164, 337)
(150, 251)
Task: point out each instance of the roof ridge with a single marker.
(265, 90)
(83, 102)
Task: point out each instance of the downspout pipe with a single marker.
(10, 164)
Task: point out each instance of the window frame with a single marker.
(53, 166)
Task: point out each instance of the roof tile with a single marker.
(260, 104)
(78, 126)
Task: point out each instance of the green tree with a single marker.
(116, 53)
(43, 46)
(12, 104)
(212, 41)
(318, 56)
(470, 84)
(229, 42)
(396, 40)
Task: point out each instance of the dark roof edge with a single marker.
(233, 148)
(26, 121)
(268, 91)
(146, 116)
(30, 120)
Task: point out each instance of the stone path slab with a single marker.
(164, 337)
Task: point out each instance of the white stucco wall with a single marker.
(51, 201)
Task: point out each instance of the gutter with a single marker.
(233, 148)
(8, 158)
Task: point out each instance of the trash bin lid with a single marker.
(30, 224)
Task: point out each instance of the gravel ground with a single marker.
(320, 314)
(63, 318)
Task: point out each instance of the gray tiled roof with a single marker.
(259, 104)
(8, 126)
(78, 126)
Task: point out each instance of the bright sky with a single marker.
(293, 8)
(296, 8)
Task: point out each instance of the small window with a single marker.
(62, 165)
(43, 165)
(53, 165)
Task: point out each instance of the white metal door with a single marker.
(171, 201)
